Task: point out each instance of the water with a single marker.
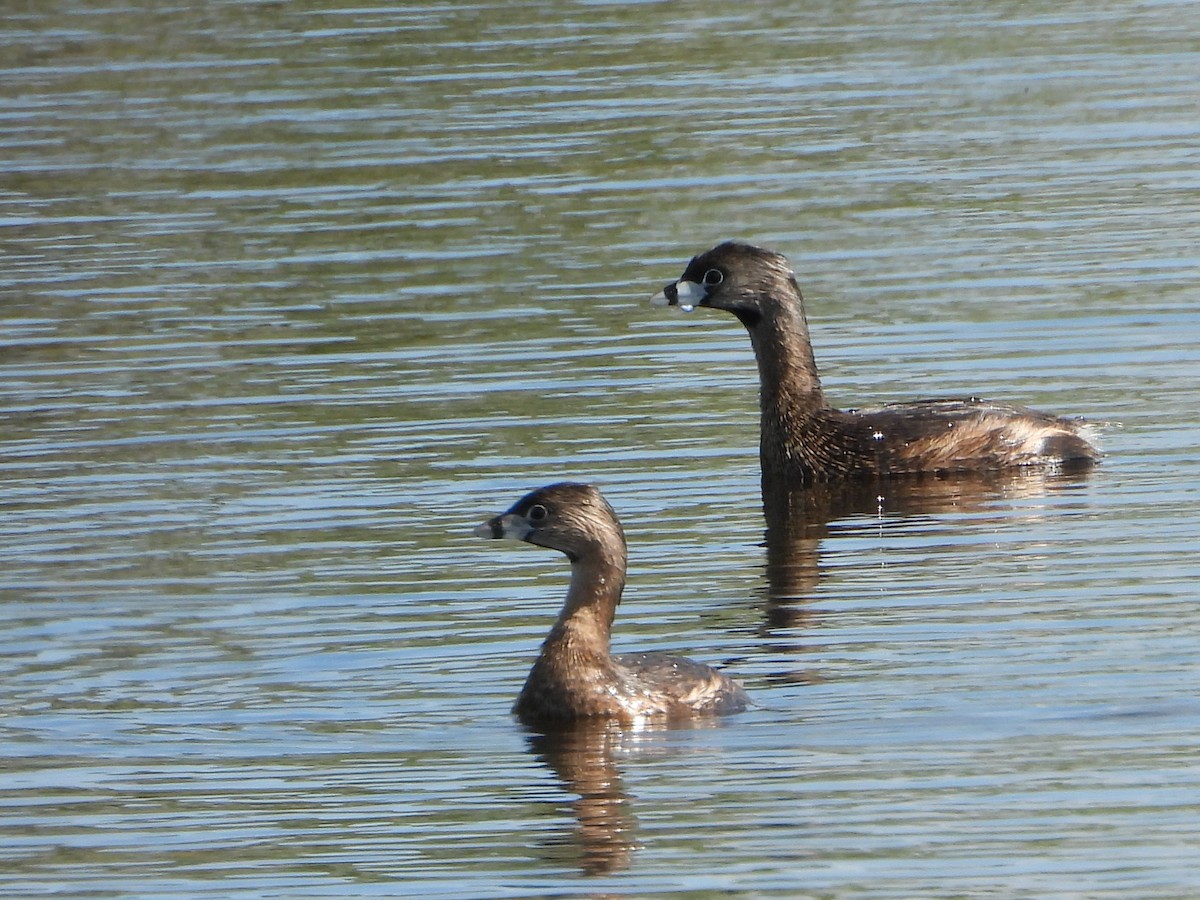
(294, 295)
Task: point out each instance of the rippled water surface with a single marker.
(294, 295)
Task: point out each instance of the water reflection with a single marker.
(583, 756)
(799, 520)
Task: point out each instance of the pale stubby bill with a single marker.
(687, 295)
(509, 525)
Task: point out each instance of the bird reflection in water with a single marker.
(584, 756)
(802, 521)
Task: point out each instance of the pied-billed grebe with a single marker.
(576, 676)
(804, 439)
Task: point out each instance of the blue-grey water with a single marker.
(294, 295)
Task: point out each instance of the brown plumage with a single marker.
(575, 675)
(804, 439)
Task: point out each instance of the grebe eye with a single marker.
(537, 513)
(713, 277)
